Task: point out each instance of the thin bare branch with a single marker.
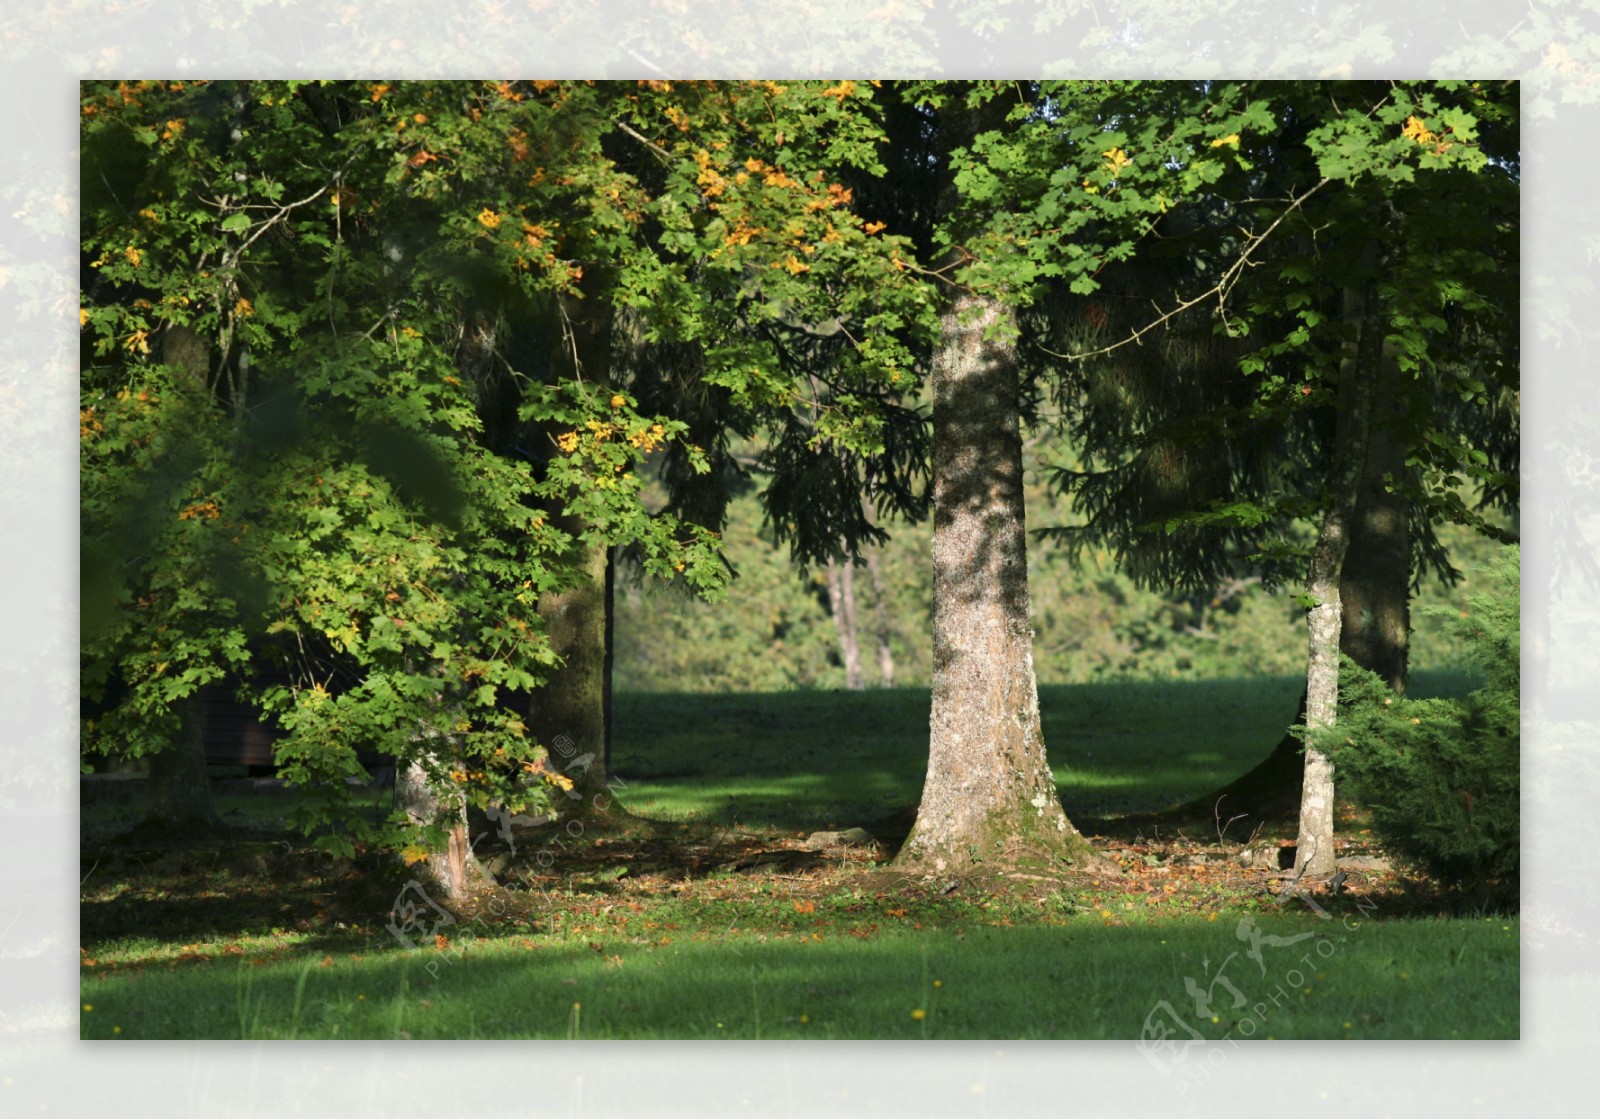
(666, 156)
(1221, 289)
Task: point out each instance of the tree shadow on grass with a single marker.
(796, 761)
(1078, 980)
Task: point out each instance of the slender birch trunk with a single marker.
(842, 598)
(880, 611)
(1314, 852)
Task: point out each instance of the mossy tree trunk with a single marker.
(989, 800)
(568, 712)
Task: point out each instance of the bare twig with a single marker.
(1221, 289)
(666, 156)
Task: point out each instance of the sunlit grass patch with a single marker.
(1412, 979)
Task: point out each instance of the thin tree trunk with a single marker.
(989, 799)
(1314, 851)
(880, 610)
(609, 668)
(842, 600)
(1375, 618)
(180, 793)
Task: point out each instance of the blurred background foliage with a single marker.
(776, 630)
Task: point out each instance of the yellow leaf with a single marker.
(488, 219)
(1116, 159)
(1416, 130)
(413, 853)
(1231, 139)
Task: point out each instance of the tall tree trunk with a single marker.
(1314, 851)
(568, 712)
(180, 793)
(880, 610)
(989, 799)
(1375, 583)
(842, 600)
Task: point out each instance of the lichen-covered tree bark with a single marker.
(990, 799)
(1314, 851)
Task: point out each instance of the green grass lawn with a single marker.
(808, 760)
(247, 944)
(1073, 977)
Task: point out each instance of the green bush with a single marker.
(1441, 777)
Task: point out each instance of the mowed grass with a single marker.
(1073, 978)
(811, 760)
(731, 956)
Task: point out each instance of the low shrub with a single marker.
(1441, 777)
